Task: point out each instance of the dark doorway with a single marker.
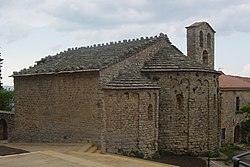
(237, 134)
(3, 130)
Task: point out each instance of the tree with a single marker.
(1, 87)
(245, 126)
(6, 100)
(246, 109)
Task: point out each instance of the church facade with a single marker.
(140, 95)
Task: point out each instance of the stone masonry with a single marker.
(127, 97)
(235, 93)
(189, 105)
(57, 108)
(6, 124)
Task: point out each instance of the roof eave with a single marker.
(54, 73)
(126, 88)
(234, 89)
(182, 70)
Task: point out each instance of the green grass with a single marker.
(230, 151)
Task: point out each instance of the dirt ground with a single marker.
(10, 151)
(183, 161)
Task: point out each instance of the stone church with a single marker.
(137, 95)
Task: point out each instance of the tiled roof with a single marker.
(244, 78)
(90, 58)
(233, 82)
(130, 80)
(171, 58)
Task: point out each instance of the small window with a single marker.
(201, 39)
(150, 112)
(223, 133)
(179, 102)
(237, 103)
(205, 58)
(209, 40)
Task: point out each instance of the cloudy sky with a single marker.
(32, 29)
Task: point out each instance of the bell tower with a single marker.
(200, 43)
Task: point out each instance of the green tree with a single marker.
(6, 100)
(245, 126)
(246, 109)
(1, 87)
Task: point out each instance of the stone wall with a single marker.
(6, 118)
(57, 108)
(132, 64)
(131, 121)
(229, 117)
(188, 111)
(195, 50)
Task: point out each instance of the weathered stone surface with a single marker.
(230, 117)
(200, 40)
(131, 121)
(6, 118)
(188, 111)
(133, 96)
(57, 108)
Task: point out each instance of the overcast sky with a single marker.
(32, 29)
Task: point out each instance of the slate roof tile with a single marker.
(171, 58)
(130, 80)
(91, 57)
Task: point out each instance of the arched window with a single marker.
(201, 39)
(205, 58)
(237, 133)
(150, 112)
(209, 40)
(179, 102)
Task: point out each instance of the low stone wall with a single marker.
(6, 124)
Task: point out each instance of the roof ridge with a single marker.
(111, 43)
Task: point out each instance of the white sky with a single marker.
(32, 29)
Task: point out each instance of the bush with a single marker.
(6, 100)
(156, 155)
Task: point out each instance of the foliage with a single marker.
(133, 153)
(156, 155)
(6, 100)
(230, 151)
(245, 126)
(136, 154)
(211, 154)
(246, 109)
